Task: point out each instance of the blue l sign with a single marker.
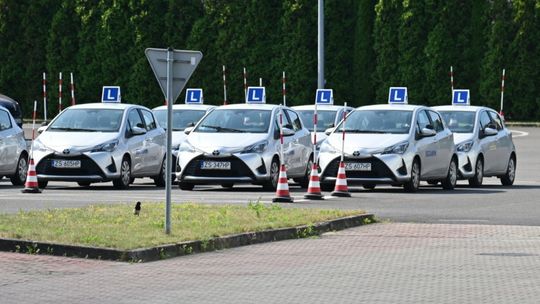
(194, 96)
(461, 97)
(398, 95)
(324, 96)
(111, 94)
(256, 95)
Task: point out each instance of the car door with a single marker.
(154, 143)
(136, 143)
(8, 144)
(504, 143)
(288, 145)
(425, 146)
(444, 144)
(300, 138)
(488, 144)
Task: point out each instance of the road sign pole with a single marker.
(168, 157)
(343, 132)
(320, 44)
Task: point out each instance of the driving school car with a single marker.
(101, 142)
(240, 143)
(13, 152)
(483, 143)
(396, 144)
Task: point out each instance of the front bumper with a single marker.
(466, 167)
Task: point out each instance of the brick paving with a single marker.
(381, 263)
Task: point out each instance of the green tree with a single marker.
(364, 56)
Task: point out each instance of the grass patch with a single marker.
(115, 226)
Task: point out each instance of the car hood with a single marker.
(226, 143)
(366, 143)
(462, 137)
(177, 138)
(59, 141)
(321, 136)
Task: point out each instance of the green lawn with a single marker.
(115, 226)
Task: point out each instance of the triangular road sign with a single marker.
(184, 63)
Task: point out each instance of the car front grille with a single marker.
(378, 169)
(238, 168)
(88, 167)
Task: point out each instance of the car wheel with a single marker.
(84, 184)
(478, 177)
(227, 185)
(19, 178)
(304, 182)
(42, 184)
(159, 180)
(186, 186)
(274, 176)
(414, 183)
(125, 175)
(508, 178)
(449, 183)
(369, 186)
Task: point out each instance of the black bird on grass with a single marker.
(137, 208)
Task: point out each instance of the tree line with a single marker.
(370, 46)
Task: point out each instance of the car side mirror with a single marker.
(188, 130)
(138, 131)
(288, 132)
(490, 132)
(41, 129)
(329, 131)
(426, 132)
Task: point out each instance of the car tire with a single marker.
(414, 183)
(271, 185)
(84, 184)
(19, 178)
(304, 181)
(227, 185)
(159, 180)
(369, 186)
(508, 178)
(477, 179)
(42, 184)
(125, 175)
(449, 183)
(186, 186)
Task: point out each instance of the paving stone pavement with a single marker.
(380, 263)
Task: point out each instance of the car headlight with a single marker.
(186, 147)
(256, 147)
(399, 148)
(106, 147)
(465, 146)
(327, 148)
(39, 146)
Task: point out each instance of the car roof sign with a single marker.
(461, 97)
(256, 95)
(324, 96)
(111, 94)
(194, 96)
(398, 95)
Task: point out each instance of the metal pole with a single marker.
(72, 90)
(320, 44)
(260, 82)
(343, 131)
(245, 82)
(502, 92)
(60, 92)
(168, 183)
(45, 97)
(224, 87)
(284, 91)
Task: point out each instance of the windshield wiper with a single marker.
(73, 129)
(221, 129)
(364, 131)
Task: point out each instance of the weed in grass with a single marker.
(50, 250)
(307, 232)
(32, 249)
(187, 249)
(17, 248)
(366, 221)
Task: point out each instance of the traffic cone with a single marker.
(314, 187)
(341, 188)
(282, 190)
(31, 185)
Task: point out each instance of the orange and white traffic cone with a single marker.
(341, 188)
(282, 190)
(31, 185)
(314, 186)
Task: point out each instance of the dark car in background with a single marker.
(13, 107)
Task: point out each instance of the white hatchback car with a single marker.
(13, 152)
(484, 144)
(240, 143)
(391, 144)
(100, 142)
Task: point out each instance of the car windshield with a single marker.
(325, 119)
(88, 120)
(459, 121)
(181, 118)
(236, 121)
(378, 121)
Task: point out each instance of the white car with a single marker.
(240, 143)
(391, 144)
(484, 144)
(13, 152)
(328, 116)
(100, 142)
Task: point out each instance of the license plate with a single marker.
(63, 163)
(216, 165)
(358, 166)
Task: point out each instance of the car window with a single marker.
(5, 121)
(87, 120)
(325, 119)
(497, 120)
(296, 123)
(459, 121)
(181, 118)
(149, 120)
(235, 121)
(422, 121)
(134, 120)
(436, 121)
(287, 121)
(485, 120)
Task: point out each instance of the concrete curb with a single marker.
(184, 248)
